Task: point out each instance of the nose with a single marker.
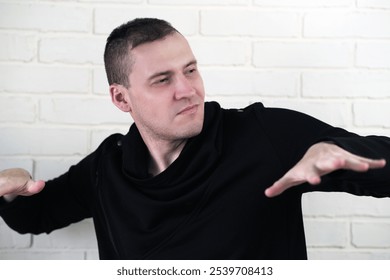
(183, 87)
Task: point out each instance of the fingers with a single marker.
(313, 175)
(288, 181)
(358, 164)
(274, 190)
(375, 163)
(302, 173)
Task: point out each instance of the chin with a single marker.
(190, 132)
(189, 129)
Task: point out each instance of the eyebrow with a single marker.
(191, 63)
(167, 73)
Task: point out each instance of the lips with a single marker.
(188, 110)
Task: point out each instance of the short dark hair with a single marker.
(124, 38)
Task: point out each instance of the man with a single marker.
(191, 180)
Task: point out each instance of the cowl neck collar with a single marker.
(197, 157)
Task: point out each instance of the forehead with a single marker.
(160, 55)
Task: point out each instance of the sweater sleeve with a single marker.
(65, 200)
(292, 133)
(374, 182)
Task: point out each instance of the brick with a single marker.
(116, 1)
(243, 82)
(17, 109)
(326, 233)
(100, 82)
(322, 204)
(45, 17)
(373, 54)
(15, 47)
(341, 84)
(184, 20)
(9, 162)
(347, 24)
(43, 79)
(46, 169)
(82, 111)
(200, 2)
(371, 234)
(303, 54)
(221, 52)
(333, 113)
(305, 3)
(372, 113)
(76, 236)
(72, 50)
(42, 141)
(11, 239)
(338, 254)
(385, 4)
(92, 255)
(41, 255)
(249, 23)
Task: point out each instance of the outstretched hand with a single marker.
(17, 181)
(321, 159)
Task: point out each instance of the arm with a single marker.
(61, 201)
(304, 147)
(38, 206)
(16, 181)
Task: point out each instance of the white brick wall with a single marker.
(328, 58)
(373, 54)
(305, 54)
(248, 22)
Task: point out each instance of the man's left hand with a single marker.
(321, 159)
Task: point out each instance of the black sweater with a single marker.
(210, 202)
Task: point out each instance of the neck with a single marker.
(163, 154)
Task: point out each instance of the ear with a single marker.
(120, 97)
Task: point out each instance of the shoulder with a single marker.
(111, 141)
(110, 144)
(213, 107)
(283, 117)
(281, 122)
(267, 117)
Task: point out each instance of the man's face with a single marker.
(166, 93)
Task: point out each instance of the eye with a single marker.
(191, 70)
(161, 81)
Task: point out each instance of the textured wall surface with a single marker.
(328, 58)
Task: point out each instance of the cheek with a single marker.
(200, 87)
(156, 110)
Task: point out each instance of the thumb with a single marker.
(33, 187)
(30, 188)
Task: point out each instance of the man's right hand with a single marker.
(17, 181)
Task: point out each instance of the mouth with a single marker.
(191, 109)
